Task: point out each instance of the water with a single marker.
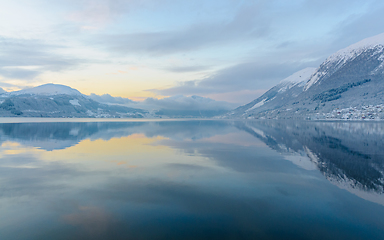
(192, 180)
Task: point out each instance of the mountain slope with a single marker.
(347, 85)
(370, 49)
(288, 88)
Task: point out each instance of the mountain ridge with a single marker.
(56, 100)
(348, 85)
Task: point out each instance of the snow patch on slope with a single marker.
(315, 77)
(259, 104)
(300, 76)
(74, 102)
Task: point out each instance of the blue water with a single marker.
(192, 180)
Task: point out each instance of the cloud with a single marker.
(97, 13)
(106, 98)
(9, 85)
(182, 69)
(359, 26)
(249, 23)
(19, 73)
(238, 97)
(251, 76)
(25, 59)
(179, 103)
(188, 103)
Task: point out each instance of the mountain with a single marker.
(47, 89)
(54, 100)
(348, 85)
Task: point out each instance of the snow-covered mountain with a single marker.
(54, 100)
(369, 53)
(47, 89)
(347, 85)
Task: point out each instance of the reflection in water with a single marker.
(51, 135)
(349, 155)
(192, 180)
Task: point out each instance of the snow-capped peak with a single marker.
(338, 59)
(367, 42)
(357, 48)
(48, 89)
(300, 76)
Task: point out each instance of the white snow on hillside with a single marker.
(314, 78)
(48, 89)
(358, 47)
(74, 102)
(259, 104)
(300, 76)
(339, 58)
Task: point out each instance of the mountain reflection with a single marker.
(350, 155)
(51, 135)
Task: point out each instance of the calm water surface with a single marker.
(192, 180)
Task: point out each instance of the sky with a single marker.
(227, 50)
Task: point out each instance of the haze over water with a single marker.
(192, 180)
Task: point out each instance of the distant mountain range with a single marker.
(55, 100)
(348, 85)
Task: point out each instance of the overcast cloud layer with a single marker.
(228, 50)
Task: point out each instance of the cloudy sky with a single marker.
(228, 50)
